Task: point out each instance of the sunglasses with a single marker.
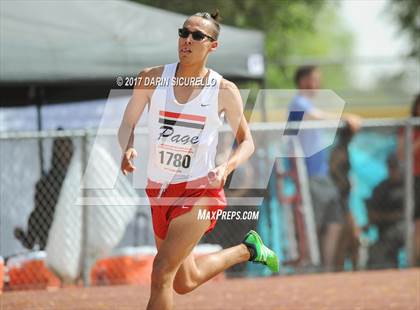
(196, 35)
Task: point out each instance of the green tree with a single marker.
(278, 19)
(298, 28)
(407, 14)
(327, 40)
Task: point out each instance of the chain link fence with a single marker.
(68, 217)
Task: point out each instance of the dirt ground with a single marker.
(389, 289)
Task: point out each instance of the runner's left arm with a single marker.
(231, 103)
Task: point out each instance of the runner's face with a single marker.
(192, 51)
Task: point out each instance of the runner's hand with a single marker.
(219, 176)
(127, 165)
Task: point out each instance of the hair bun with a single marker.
(215, 15)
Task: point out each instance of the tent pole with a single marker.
(39, 102)
(263, 105)
(34, 99)
(263, 99)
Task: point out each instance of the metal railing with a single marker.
(14, 144)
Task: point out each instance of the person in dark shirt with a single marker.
(47, 192)
(385, 211)
(339, 170)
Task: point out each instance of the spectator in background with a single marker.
(415, 112)
(385, 211)
(325, 197)
(47, 191)
(348, 244)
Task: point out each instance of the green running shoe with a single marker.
(259, 252)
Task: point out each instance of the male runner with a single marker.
(183, 126)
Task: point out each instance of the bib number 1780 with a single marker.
(175, 159)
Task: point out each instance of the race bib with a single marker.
(173, 158)
(178, 140)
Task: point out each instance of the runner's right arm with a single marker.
(135, 107)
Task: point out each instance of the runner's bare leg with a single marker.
(174, 266)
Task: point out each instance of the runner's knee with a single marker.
(163, 272)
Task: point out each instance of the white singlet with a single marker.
(182, 137)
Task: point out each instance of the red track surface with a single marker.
(390, 289)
